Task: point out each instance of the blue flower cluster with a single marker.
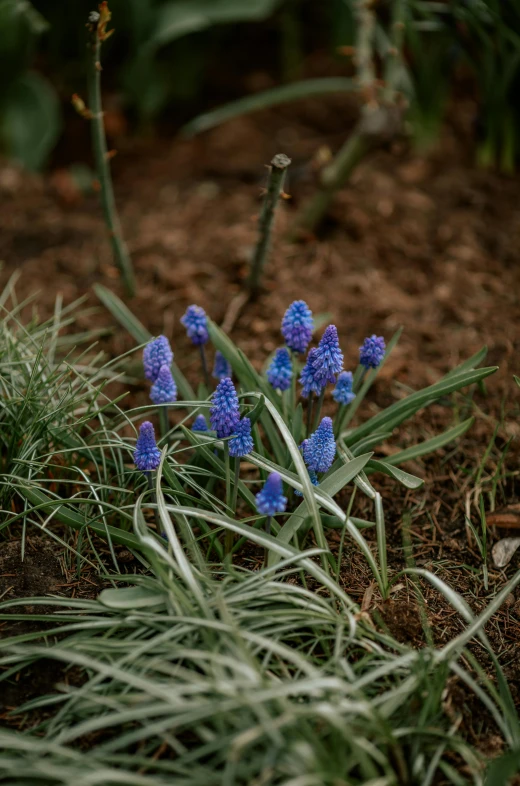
(323, 366)
(372, 352)
(225, 412)
(156, 354)
(297, 326)
(241, 443)
(280, 370)
(196, 323)
(270, 499)
(164, 389)
(200, 424)
(343, 392)
(319, 450)
(147, 455)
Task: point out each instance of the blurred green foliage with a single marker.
(164, 50)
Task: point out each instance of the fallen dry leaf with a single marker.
(503, 551)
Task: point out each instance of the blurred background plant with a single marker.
(170, 59)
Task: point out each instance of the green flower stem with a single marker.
(228, 472)
(163, 421)
(318, 409)
(101, 156)
(294, 356)
(205, 371)
(310, 406)
(268, 531)
(235, 485)
(275, 183)
(338, 420)
(151, 486)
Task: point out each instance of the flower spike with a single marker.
(157, 353)
(200, 424)
(196, 323)
(320, 449)
(270, 499)
(297, 326)
(147, 455)
(328, 360)
(241, 443)
(280, 370)
(343, 392)
(221, 367)
(225, 412)
(164, 389)
(372, 352)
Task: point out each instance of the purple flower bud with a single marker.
(342, 393)
(225, 412)
(309, 378)
(280, 370)
(270, 499)
(157, 353)
(196, 323)
(328, 360)
(164, 389)
(297, 326)
(319, 449)
(147, 455)
(241, 443)
(200, 424)
(221, 367)
(372, 352)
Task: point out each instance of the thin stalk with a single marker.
(318, 409)
(275, 184)
(338, 420)
(163, 421)
(229, 536)
(294, 356)
(102, 158)
(205, 371)
(309, 413)
(151, 486)
(235, 486)
(268, 531)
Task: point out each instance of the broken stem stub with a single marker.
(278, 169)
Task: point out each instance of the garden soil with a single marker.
(424, 241)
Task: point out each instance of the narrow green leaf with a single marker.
(430, 445)
(410, 481)
(267, 99)
(129, 321)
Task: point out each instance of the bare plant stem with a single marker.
(101, 155)
(235, 485)
(275, 183)
(268, 530)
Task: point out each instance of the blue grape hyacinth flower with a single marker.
(147, 455)
(221, 367)
(280, 370)
(200, 424)
(196, 323)
(343, 392)
(309, 379)
(297, 326)
(164, 389)
(372, 352)
(225, 412)
(319, 450)
(157, 353)
(241, 443)
(328, 361)
(270, 499)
